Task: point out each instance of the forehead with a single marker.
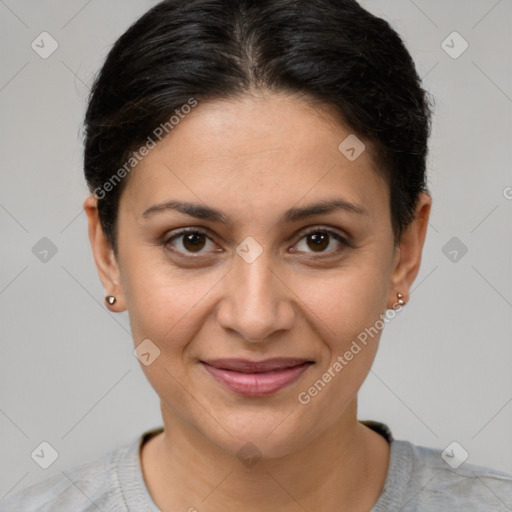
(257, 154)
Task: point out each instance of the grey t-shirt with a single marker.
(418, 480)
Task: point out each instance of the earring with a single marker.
(110, 299)
(400, 301)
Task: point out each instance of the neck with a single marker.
(343, 469)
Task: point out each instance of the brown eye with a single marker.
(189, 241)
(193, 241)
(319, 240)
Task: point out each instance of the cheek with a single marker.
(345, 302)
(165, 303)
(169, 308)
(346, 309)
(350, 344)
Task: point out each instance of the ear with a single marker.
(408, 253)
(106, 263)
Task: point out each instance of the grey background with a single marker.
(68, 374)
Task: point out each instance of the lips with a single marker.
(256, 378)
(246, 366)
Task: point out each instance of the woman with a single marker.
(259, 207)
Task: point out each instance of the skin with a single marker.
(253, 157)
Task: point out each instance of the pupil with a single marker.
(194, 239)
(319, 240)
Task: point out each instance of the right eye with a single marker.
(188, 242)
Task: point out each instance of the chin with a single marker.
(267, 433)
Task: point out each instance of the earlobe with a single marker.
(409, 252)
(104, 257)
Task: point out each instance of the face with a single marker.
(256, 276)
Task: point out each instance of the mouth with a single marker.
(256, 378)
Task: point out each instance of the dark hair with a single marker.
(331, 51)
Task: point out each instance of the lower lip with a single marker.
(256, 384)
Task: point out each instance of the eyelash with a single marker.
(343, 241)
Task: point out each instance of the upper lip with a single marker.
(248, 366)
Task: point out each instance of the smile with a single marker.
(256, 378)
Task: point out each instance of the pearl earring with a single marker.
(110, 299)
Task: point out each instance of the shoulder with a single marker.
(82, 488)
(88, 487)
(441, 480)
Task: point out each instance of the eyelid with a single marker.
(345, 242)
(326, 229)
(169, 237)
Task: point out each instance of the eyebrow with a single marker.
(292, 215)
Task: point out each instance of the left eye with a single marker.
(320, 239)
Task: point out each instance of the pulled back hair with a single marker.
(332, 51)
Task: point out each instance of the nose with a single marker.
(256, 301)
